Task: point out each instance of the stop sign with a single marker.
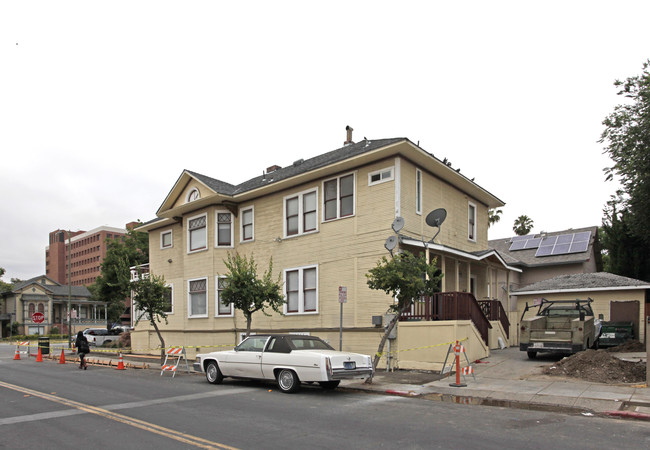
(38, 317)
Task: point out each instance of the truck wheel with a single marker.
(329, 385)
(532, 354)
(213, 374)
(288, 381)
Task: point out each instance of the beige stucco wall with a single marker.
(435, 337)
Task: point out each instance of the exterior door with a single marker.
(626, 311)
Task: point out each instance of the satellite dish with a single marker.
(436, 217)
(391, 243)
(398, 224)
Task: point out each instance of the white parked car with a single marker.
(290, 359)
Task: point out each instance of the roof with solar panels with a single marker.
(552, 248)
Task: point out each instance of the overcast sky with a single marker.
(103, 104)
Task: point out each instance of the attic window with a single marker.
(193, 195)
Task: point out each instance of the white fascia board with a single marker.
(443, 249)
(586, 289)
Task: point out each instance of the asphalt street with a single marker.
(47, 404)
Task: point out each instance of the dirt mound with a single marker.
(629, 346)
(600, 366)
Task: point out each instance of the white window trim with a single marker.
(473, 231)
(301, 299)
(300, 196)
(206, 233)
(216, 301)
(418, 191)
(391, 177)
(171, 286)
(216, 229)
(241, 224)
(338, 198)
(161, 239)
(189, 299)
(189, 194)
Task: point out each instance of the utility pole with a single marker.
(69, 289)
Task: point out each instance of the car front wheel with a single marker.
(532, 354)
(213, 374)
(288, 381)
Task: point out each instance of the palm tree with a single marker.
(494, 215)
(522, 225)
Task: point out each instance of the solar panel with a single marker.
(564, 244)
(533, 243)
(544, 250)
(518, 245)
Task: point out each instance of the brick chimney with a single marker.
(273, 168)
(349, 129)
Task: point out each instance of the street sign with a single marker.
(38, 317)
(343, 294)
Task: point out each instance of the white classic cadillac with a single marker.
(290, 359)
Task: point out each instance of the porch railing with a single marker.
(493, 310)
(449, 306)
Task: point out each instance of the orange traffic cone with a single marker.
(120, 364)
(62, 358)
(39, 357)
(17, 355)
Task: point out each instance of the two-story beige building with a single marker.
(325, 221)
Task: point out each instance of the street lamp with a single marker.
(69, 288)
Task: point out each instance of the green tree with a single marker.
(523, 225)
(150, 300)
(494, 215)
(405, 277)
(248, 293)
(626, 137)
(5, 287)
(624, 253)
(113, 285)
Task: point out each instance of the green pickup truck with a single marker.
(563, 326)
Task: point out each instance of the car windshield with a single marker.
(302, 343)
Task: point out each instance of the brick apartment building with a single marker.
(88, 250)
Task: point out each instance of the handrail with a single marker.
(449, 306)
(493, 310)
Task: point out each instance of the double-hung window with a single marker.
(224, 229)
(247, 224)
(168, 299)
(418, 191)
(300, 213)
(197, 294)
(338, 197)
(301, 286)
(222, 309)
(166, 239)
(197, 233)
(471, 224)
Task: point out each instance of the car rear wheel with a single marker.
(532, 354)
(213, 374)
(329, 385)
(288, 381)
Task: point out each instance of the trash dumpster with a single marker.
(44, 345)
(615, 333)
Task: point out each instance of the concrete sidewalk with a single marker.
(508, 378)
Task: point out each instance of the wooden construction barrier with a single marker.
(177, 353)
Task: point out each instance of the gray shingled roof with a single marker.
(583, 282)
(297, 168)
(527, 258)
(55, 289)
